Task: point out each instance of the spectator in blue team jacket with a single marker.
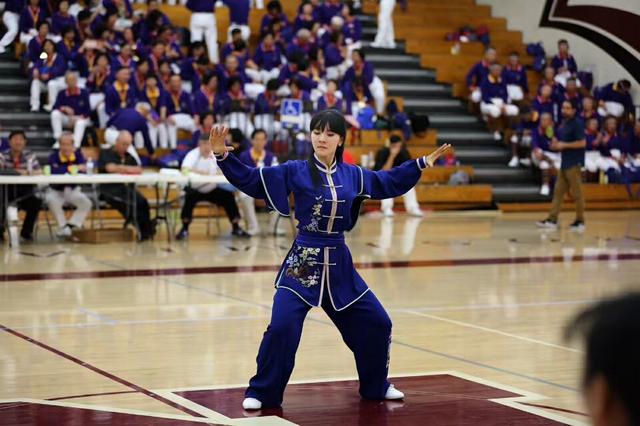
(209, 97)
(495, 100)
(615, 99)
(134, 121)
(564, 63)
(71, 109)
(156, 100)
(118, 95)
(67, 160)
(62, 18)
(306, 18)
(329, 9)
(267, 60)
(274, 12)
(47, 73)
(34, 48)
(239, 16)
(30, 18)
(515, 76)
(180, 111)
(478, 72)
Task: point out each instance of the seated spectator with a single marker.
(357, 98)
(237, 107)
(18, 159)
(72, 109)
(478, 73)
(124, 59)
(139, 77)
(62, 18)
(69, 48)
(30, 19)
(335, 26)
(334, 59)
(11, 20)
(164, 74)
(119, 95)
(541, 154)
(230, 69)
(589, 109)
(363, 69)
(256, 156)
(210, 97)
(296, 91)
(267, 60)
(515, 77)
(152, 21)
(306, 19)
(157, 56)
(393, 156)
(549, 78)
(84, 18)
(194, 67)
(274, 12)
(564, 63)
(352, 29)
(571, 94)
(633, 159)
(266, 107)
(125, 198)
(613, 146)
(134, 121)
(330, 99)
(329, 9)
(97, 84)
(67, 159)
(156, 99)
(36, 44)
(544, 103)
(301, 45)
(593, 137)
(239, 17)
(609, 331)
(201, 161)
(495, 101)
(123, 11)
(615, 99)
(47, 73)
(227, 48)
(180, 112)
(172, 47)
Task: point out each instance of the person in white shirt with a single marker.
(200, 160)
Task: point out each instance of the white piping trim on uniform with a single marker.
(361, 180)
(298, 294)
(266, 191)
(346, 306)
(335, 217)
(334, 201)
(334, 186)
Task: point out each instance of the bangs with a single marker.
(331, 120)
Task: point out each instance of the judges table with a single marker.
(155, 179)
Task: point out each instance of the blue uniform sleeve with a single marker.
(391, 183)
(271, 184)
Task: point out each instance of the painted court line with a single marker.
(100, 371)
(272, 268)
(493, 330)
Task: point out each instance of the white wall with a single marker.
(524, 15)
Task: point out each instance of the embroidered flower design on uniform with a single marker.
(300, 265)
(316, 215)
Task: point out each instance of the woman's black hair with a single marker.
(334, 121)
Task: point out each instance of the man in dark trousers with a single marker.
(571, 143)
(119, 196)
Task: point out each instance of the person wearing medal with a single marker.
(318, 271)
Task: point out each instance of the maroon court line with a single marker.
(101, 372)
(548, 407)
(132, 273)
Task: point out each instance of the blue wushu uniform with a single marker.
(318, 270)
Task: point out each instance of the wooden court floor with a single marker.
(158, 333)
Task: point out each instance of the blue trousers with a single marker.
(365, 328)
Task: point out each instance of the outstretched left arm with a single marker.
(397, 181)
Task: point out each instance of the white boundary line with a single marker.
(492, 330)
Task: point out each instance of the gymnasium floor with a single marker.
(165, 334)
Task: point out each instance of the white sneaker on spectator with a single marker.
(2, 50)
(544, 190)
(525, 162)
(387, 213)
(253, 231)
(393, 393)
(47, 108)
(497, 136)
(514, 139)
(415, 212)
(547, 224)
(64, 232)
(514, 162)
(251, 404)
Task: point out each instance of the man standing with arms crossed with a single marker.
(571, 143)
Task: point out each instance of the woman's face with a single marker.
(49, 49)
(64, 6)
(325, 142)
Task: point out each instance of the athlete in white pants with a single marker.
(385, 36)
(11, 20)
(203, 25)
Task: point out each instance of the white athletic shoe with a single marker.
(393, 393)
(64, 232)
(497, 136)
(544, 190)
(525, 162)
(415, 213)
(514, 162)
(254, 404)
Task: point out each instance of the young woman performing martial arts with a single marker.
(318, 270)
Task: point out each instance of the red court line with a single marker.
(548, 407)
(101, 372)
(267, 268)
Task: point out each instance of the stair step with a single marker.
(518, 193)
(24, 118)
(503, 174)
(483, 155)
(368, 50)
(14, 85)
(408, 90)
